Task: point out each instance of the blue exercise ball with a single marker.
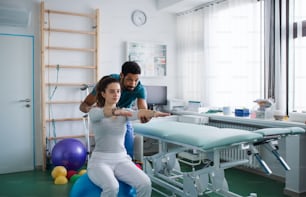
(83, 187)
(129, 139)
(70, 153)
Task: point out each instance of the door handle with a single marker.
(27, 100)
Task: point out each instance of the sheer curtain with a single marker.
(276, 53)
(298, 77)
(190, 54)
(220, 53)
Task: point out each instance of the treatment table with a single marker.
(178, 137)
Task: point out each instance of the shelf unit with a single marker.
(151, 57)
(69, 62)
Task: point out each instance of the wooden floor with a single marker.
(40, 184)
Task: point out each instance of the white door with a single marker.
(16, 100)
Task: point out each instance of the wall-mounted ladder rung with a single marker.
(71, 66)
(68, 136)
(64, 119)
(69, 13)
(63, 102)
(70, 84)
(70, 31)
(70, 49)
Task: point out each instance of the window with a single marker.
(299, 57)
(220, 51)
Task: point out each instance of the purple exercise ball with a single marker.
(70, 153)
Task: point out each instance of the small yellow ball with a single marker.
(83, 171)
(58, 171)
(60, 180)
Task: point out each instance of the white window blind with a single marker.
(299, 70)
(220, 53)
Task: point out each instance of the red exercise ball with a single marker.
(70, 173)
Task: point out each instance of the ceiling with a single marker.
(176, 6)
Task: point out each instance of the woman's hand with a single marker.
(121, 112)
(145, 115)
(160, 114)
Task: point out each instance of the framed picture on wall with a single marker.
(151, 57)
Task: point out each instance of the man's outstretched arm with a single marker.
(89, 101)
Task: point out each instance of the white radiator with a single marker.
(230, 154)
(235, 153)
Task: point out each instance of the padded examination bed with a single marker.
(280, 131)
(206, 137)
(163, 167)
(201, 136)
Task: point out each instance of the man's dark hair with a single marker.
(130, 67)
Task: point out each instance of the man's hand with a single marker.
(88, 103)
(144, 119)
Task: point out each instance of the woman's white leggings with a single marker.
(105, 169)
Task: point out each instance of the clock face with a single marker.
(139, 18)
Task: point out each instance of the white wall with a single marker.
(116, 28)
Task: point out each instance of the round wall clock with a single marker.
(139, 18)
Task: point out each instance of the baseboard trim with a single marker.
(294, 194)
